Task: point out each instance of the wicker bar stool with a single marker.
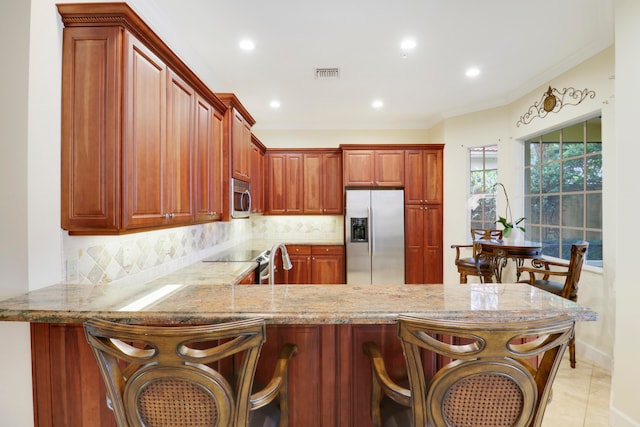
(188, 376)
(488, 381)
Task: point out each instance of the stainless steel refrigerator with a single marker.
(374, 234)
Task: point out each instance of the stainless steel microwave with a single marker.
(240, 199)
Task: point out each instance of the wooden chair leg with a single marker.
(463, 277)
(572, 352)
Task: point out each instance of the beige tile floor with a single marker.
(580, 396)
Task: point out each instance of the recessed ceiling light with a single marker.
(377, 103)
(473, 72)
(247, 44)
(274, 104)
(408, 44)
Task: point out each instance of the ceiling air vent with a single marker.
(327, 73)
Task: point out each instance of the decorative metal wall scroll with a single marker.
(552, 101)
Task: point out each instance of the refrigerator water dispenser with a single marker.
(359, 230)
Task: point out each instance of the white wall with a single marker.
(16, 266)
(625, 410)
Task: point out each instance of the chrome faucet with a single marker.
(286, 261)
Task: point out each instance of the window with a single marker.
(483, 175)
(563, 189)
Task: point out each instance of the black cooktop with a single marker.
(236, 255)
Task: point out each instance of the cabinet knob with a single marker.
(172, 215)
(166, 216)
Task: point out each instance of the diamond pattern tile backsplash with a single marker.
(141, 257)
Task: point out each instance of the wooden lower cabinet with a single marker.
(329, 378)
(316, 265)
(423, 244)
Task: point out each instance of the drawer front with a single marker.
(299, 249)
(327, 249)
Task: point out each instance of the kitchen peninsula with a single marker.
(329, 378)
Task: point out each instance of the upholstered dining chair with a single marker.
(542, 270)
(473, 266)
(489, 380)
(172, 375)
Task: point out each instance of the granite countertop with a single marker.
(189, 297)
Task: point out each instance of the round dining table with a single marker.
(499, 252)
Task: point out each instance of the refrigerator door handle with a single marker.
(372, 243)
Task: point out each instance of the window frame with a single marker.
(482, 201)
(589, 164)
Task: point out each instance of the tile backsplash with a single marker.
(144, 256)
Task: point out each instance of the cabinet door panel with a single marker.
(327, 269)
(208, 162)
(414, 177)
(68, 387)
(145, 137)
(276, 183)
(257, 177)
(312, 371)
(90, 174)
(313, 183)
(180, 122)
(333, 190)
(293, 183)
(433, 176)
(414, 244)
(358, 168)
(389, 168)
(218, 157)
(300, 273)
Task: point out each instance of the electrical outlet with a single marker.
(72, 270)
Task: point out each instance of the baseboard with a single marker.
(618, 419)
(595, 356)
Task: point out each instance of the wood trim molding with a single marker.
(122, 15)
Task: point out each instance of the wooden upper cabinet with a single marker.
(423, 176)
(237, 133)
(293, 183)
(332, 178)
(146, 194)
(257, 175)
(313, 192)
(134, 123)
(208, 164)
(90, 174)
(358, 168)
(285, 183)
(322, 183)
(373, 168)
(304, 182)
(389, 168)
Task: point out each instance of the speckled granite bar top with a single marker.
(178, 302)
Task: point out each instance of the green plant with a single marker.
(507, 220)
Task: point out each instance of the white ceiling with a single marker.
(517, 44)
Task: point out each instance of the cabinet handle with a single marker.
(212, 213)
